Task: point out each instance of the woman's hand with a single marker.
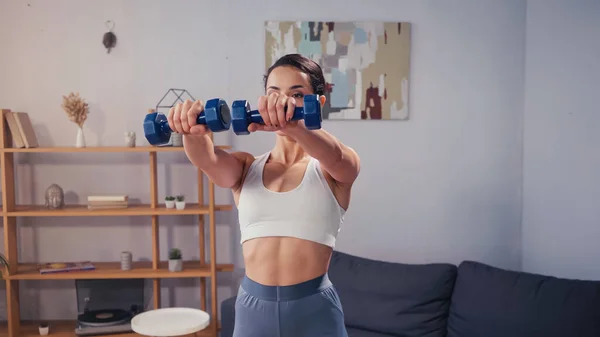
(276, 111)
(182, 118)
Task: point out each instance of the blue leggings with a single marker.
(307, 309)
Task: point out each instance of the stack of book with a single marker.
(107, 201)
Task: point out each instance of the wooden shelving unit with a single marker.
(156, 269)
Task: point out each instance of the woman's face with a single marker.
(291, 82)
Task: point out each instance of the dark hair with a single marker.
(305, 65)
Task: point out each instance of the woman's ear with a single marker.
(322, 99)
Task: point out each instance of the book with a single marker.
(61, 267)
(26, 129)
(107, 206)
(15, 133)
(107, 198)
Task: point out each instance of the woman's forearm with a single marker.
(339, 160)
(319, 144)
(200, 150)
(224, 169)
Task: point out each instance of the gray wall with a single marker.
(561, 206)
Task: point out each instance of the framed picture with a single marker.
(366, 64)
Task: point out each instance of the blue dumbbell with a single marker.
(216, 116)
(242, 115)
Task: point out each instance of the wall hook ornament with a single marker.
(110, 39)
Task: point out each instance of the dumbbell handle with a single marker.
(255, 116)
(164, 124)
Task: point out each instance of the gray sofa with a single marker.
(382, 299)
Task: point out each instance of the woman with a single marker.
(291, 202)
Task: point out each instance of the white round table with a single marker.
(166, 322)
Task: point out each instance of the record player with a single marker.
(107, 306)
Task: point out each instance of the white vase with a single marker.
(175, 265)
(44, 330)
(80, 142)
(170, 203)
(180, 205)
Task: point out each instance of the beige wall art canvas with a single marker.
(366, 64)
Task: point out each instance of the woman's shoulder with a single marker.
(248, 158)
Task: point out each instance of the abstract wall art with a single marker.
(366, 64)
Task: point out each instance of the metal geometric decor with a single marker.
(177, 93)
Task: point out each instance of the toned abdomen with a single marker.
(284, 260)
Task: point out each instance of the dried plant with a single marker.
(76, 108)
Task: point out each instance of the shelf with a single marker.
(92, 149)
(131, 210)
(203, 210)
(66, 328)
(112, 270)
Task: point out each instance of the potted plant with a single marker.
(175, 262)
(44, 328)
(180, 202)
(170, 201)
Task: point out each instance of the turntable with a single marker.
(97, 322)
(108, 306)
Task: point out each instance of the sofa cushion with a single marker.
(492, 302)
(393, 298)
(352, 332)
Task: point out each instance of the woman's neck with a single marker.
(287, 151)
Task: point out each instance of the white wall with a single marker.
(561, 219)
(444, 186)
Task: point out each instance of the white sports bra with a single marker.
(309, 211)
